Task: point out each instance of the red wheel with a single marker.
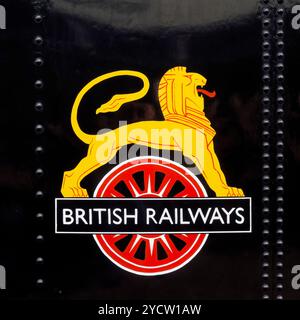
(150, 254)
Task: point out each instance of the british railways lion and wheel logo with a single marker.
(151, 215)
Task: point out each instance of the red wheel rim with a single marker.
(150, 254)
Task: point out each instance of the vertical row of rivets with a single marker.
(39, 131)
(267, 14)
(279, 147)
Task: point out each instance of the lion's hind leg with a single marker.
(99, 154)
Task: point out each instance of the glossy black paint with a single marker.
(219, 39)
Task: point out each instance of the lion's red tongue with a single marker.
(207, 93)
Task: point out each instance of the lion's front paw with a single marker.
(230, 192)
(74, 192)
(71, 188)
(235, 192)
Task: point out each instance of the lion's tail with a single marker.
(113, 104)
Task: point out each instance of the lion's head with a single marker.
(179, 92)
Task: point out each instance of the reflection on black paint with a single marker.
(83, 41)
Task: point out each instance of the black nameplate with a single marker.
(147, 215)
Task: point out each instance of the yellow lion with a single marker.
(183, 110)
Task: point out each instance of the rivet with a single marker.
(38, 40)
(39, 172)
(39, 238)
(39, 260)
(39, 84)
(39, 194)
(39, 129)
(279, 264)
(39, 106)
(279, 275)
(40, 216)
(279, 286)
(266, 22)
(266, 265)
(38, 62)
(266, 45)
(39, 150)
(40, 282)
(38, 18)
(266, 11)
